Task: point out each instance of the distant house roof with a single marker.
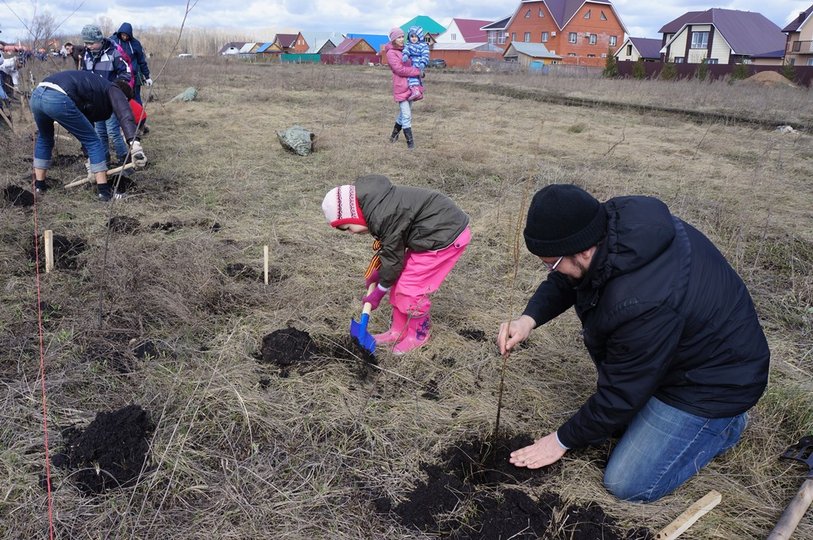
(794, 25)
(498, 25)
(231, 45)
(350, 43)
(564, 10)
(471, 29)
(286, 40)
(534, 50)
(247, 47)
(429, 25)
(265, 46)
(317, 40)
(673, 26)
(746, 32)
(648, 48)
(376, 41)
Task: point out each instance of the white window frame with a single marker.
(593, 39)
(528, 14)
(527, 37)
(544, 37)
(587, 14)
(697, 43)
(613, 41)
(572, 37)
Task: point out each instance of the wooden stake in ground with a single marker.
(265, 263)
(692, 514)
(48, 240)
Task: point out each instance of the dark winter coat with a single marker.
(663, 315)
(135, 51)
(108, 63)
(96, 98)
(406, 218)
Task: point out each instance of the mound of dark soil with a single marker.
(123, 224)
(167, 226)
(471, 475)
(287, 347)
(110, 453)
(66, 252)
(124, 184)
(17, 196)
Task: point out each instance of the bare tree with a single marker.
(41, 30)
(106, 24)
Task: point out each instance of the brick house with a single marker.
(580, 31)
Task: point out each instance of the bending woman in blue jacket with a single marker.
(669, 324)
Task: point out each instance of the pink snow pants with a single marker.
(422, 275)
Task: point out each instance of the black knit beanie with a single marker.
(563, 219)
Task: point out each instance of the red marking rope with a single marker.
(42, 363)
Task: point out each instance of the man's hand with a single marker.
(137, 153)
(148, 82)
(543, 452)
(513, 333)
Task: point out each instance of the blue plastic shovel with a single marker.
(358, 330)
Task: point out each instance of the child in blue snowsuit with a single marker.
(417, 51)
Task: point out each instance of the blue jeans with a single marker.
(49, 106)
(405, 114)
(663, 447)
(111, 127)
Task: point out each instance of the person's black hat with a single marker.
(563, 219)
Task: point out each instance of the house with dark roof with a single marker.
(495, 31)
(530, 55)
(723, 36)
(638, 48)
(464, 31)
(376, 41)
(232, 47)
(291, 43)
(799, 40)
(580, 31)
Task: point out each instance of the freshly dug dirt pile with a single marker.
(287, 347)
(769, 78)
(291, 348)
(110, 453)
(123, 224)
(471, 474)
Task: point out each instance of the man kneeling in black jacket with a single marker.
(669, 324)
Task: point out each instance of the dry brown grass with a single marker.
(303, 457)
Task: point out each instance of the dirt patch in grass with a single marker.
(464, 497)
(17, 196)
(110, 453)
(290, 348)
(66, 252)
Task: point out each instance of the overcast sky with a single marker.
(261, 17)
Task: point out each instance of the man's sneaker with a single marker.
(107, 197)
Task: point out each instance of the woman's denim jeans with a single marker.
(49, 105)
(405, 114)
(663, 447)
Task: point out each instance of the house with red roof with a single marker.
(799, 41)
(352, 51)
(463, 41)
(580, 31)
(464, 31)
(723, 36)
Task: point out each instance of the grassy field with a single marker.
(243, 449)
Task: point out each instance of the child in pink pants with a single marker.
(420, 234)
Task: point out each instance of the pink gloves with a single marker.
(374, 298)
(372, 279)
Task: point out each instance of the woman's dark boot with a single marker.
(408, 136)
(395, 131)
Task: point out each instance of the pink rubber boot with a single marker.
(417, 334)
(397, 328)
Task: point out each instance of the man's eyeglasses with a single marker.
(552, 267)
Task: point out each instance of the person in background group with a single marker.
(416, 50)
(105, 59)
(420, 234)
(669, 324)
(141, 71)
(74, 99)
(401, 69)
(9, 71)
(76, 53)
